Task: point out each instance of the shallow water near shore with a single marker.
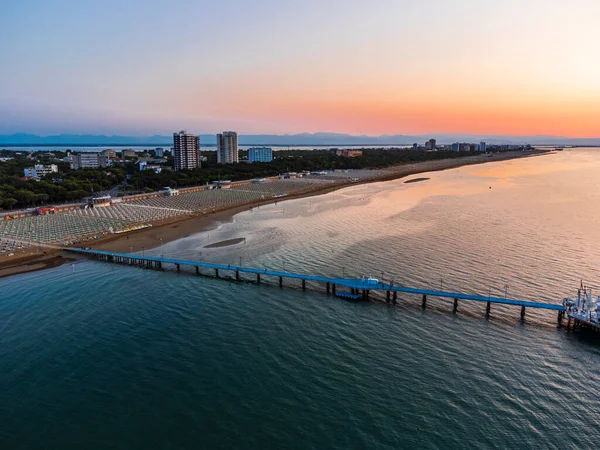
(104, 356)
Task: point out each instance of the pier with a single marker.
(358, 288)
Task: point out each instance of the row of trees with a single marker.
(73, 185)
(287, 161)
(66, 186)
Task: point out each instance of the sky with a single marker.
(140, 67)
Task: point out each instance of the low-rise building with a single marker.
(260, 154)
(349, 153)
(39, 170)
(109, 153)
(129, 153)
(147, 165)
(88, 161)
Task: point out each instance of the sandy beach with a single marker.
(181, 226)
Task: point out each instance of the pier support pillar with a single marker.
(178, 267)
(333, 289)
(258, 278)
(216, 273)
(237, 275)
(364, 294)
(197, 270)
(160, 265)
(303, 285)
(327, 287)
(280, 281)
(424, 303)
(560, 318)
(395, 297)
(368, 292)
(569, 323)
(387, 296)
(455, 309)
(522, 313)
(487, 309)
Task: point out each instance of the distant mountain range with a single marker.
(317, 139)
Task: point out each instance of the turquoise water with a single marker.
(105, 356)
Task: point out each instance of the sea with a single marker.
(102, 356)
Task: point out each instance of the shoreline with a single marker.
(181, 226)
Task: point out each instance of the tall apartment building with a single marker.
(260, 154)
(227, 147)
(88, 161)
(430, 144)
(186, 150)
(482, 147)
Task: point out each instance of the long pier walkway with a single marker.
(360, 288)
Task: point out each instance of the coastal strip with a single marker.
(176, 227)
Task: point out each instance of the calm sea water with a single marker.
(106, 356)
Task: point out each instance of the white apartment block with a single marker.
(40, 170)
(88, 161)
(227, 147)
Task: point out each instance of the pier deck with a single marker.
(356, 286)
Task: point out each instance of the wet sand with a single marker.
(226, 243)
(181, 226)
(33, 263)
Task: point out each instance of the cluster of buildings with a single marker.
(103, 159)
(431, 145)
(186, 150)
(467, 147)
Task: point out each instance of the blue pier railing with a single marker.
(364, 285)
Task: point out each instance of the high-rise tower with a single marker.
(186, 150)
(227, 147)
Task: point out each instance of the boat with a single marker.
(585, 308)
(370, 280)
(348, 296)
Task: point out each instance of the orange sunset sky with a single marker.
(463, 66)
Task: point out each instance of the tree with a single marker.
(10, 202)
